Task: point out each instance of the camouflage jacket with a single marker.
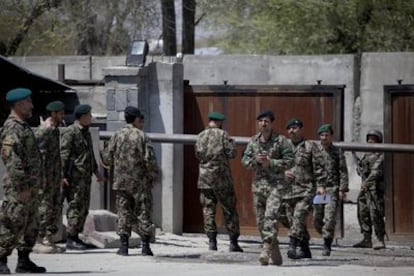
(21, 158)
(213, 149)
(280, 154)
(309, 169)
(76, 152)
(130, 154)
(335, 164)
(373, 169)
(48, 141)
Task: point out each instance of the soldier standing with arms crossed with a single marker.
(371, 196)
(50, 210)
(131, 155)
(19, 211)
(78, 165)
(336, 186)
(269, 155)
(307, 173)
(213, 149)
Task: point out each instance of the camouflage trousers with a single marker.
(371, 213)
(297, 210)
(78, 195)
(18, 225)
(227, 198)
(261, 195)
(274, 213)
(50, 209)
(324, 217)
(134, 212)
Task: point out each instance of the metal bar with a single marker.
(240, 140)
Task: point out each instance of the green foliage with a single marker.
(311, 26)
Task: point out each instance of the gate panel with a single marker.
(399, 128)
(241, 104)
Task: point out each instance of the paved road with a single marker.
(188, 255)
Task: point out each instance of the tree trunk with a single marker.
(188, 35)
(168, 27)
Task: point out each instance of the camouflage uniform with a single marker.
(78, 165)
(337, 180)
(21, 157)
(371, 199)
(131, 155)
(50, 206)
(269, 180)
(309, 171)
(213, 149)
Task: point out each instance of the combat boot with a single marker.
(123, 248)
(25, 265)
(234, 244)
(146, 250)
(275, 256)
(212, 241)
(293, 243)
(74, 243)
(326, 250)
(378, 243)
(265, 255)
(4, 269)
(365, 243)
(304, 250)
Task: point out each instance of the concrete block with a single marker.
(112, 116)
(114, 125)
(100, 230)
(110, 99)
(120, 100)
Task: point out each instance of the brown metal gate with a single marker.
(313, 104)
(399, 177)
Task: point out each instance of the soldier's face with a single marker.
(326, 138)
(265, 125)
(372, 139)
(295, 133)
(85, 120)
(24, 108)
(139, 123)
(58, 116)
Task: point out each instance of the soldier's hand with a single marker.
(342, 195)
(100, 178)
(25, 195)
(64, 183)
(321, 191)
(289, 175)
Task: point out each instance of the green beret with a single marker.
(17, 94)
(293, 122)
(325, 128)
(55, 106)
(216, 116)
(82, 109)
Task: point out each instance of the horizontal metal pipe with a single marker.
(240, 140)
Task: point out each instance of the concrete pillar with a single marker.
(158, 91)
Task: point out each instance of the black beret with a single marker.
(293, 122)
(82, 109)
(55, 106)
(268, 114)
(133, 112)
(18, 94)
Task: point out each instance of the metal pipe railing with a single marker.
(240, 140)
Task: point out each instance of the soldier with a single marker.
(371, 196)
(269, 155)
(78, 165)
(132, 158)
(336, 187)
(19, 212)
(50, 210)
(213, 149)
(307, 173)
